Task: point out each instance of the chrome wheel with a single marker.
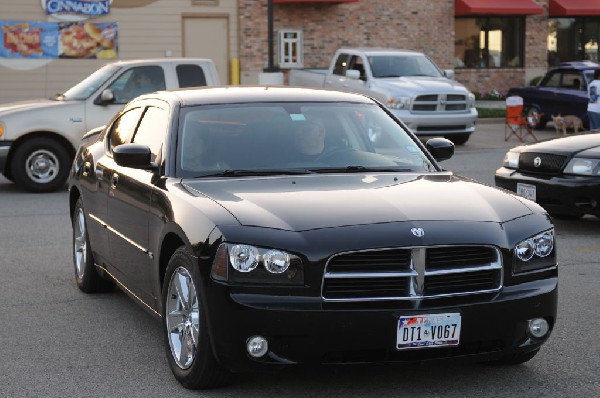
(42, 166)
(182, 318)
(79, 243)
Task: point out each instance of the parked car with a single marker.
(562, 175)
(415, 90)
(562, 91)
(274, 226)
(38, 138)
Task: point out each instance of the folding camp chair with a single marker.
(516, 123)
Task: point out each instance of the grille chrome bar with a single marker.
(421, 273)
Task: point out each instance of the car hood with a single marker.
(421, 84)
(30, 105)
(590, 143)
(301, 203)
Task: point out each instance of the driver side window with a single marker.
(137, 81)
(122, 129)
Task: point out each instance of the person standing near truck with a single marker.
(594, 103)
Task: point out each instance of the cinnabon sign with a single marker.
(78, 8)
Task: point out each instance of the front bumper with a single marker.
(565, 195)
(304, 330)
(4, 149)
(442, 123)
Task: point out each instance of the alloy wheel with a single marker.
(182, 318)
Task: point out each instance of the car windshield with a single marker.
(403, 65)
(90, 84)
(290, 138)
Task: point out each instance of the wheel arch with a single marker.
(170, 243)
(74, 195)
(34, 135)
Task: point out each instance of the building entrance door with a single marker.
(207, 37)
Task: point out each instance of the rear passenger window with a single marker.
(190, 76)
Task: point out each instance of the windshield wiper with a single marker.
(260, 172)
(358, 169)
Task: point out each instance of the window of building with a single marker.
(290, 49)
(573, 39)
(489, 42)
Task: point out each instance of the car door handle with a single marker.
(114, 181)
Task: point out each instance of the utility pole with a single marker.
(271, 65)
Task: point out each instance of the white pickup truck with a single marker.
(38, 138)
(415, 90)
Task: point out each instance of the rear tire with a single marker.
(533, 113)
(40, 165)
(185, 329)
(87, 277)
(459, 139)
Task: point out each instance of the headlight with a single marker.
(535, 253)
(471, 100)
(399, 103)
(582, 166)
(511, 160)
(251, 264)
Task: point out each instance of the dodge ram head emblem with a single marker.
(537, 161)
(418, 232)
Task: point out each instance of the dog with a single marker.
(562, 123)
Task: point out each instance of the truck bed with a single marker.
(307, 77)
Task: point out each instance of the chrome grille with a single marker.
(439, 103)
(548, 163)
(412, 273)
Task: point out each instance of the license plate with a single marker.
(526, 191)
(426, 331)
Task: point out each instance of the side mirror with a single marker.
(133, 155)
(353, 74)
(106, 97)
(449, 73)
(440, 148)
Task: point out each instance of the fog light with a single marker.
(538, 327)
(257, 346)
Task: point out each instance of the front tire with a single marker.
(185, 329)
(40, 165)
(87, 277)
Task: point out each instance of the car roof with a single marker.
(158, 61)
(579, 65)
(379, 50)
(245, 94)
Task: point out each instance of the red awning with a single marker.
(497, 7)
(567, 8)
(315, 1)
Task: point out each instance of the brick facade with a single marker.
(426, 26)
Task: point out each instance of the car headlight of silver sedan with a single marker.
(535, 253)
(511, 160)
(242, 263)
(583, 166)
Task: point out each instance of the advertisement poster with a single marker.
(37, 40)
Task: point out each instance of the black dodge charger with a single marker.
(269, 226)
